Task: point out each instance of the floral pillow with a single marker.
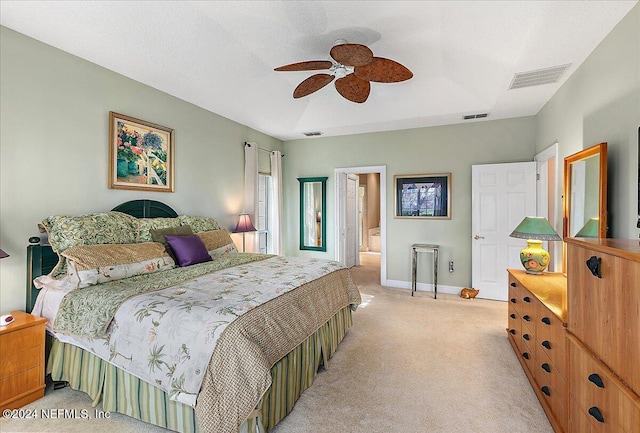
(146, 225)
(65, 232)
(199, 224)
(94, 264)
(217, 242)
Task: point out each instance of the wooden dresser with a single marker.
(21, 360)
(603, 284)
(537, 320)
(587, 375)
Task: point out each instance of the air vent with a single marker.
(538, 77)
(475, 116)
(312, 134)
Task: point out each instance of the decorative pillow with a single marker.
(65, 232)
(95, 264)
(199, 224)
(145, 225)
(157, 235)
(217, 242)
(189, 249)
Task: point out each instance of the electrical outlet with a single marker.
(451, 266)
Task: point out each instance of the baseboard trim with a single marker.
(424, 287)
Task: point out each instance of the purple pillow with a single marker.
(189, 249)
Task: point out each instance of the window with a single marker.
(264, 200)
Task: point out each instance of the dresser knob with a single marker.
(546, 367)
(513, 300)
(526, 299)
(596, 380)
(525, 355)
(527, 318)
(595, 412)
(512, 331)
(513, 316)
(513, 284)
(526, 337)
(546, 344)
(545, 390)
(546, 321)
(594, 266)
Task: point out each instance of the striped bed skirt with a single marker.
(124, 393)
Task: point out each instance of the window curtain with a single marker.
(251, 193)
(276, 246)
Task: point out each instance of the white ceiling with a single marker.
(220, 55)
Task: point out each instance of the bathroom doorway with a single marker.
(371, 218)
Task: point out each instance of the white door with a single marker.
(351, 234)
(502, 195)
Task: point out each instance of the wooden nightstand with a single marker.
(21, 360)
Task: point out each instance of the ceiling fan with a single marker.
(354, 66)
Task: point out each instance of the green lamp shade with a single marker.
(590, 229)
(535, 228)
(533, 257)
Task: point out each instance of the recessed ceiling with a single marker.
(220, 55)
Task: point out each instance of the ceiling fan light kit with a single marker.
(354, 67)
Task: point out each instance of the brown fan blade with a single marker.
(352, 54)
(313, 65)
(353, 88)
(312, 84)
(383, 70)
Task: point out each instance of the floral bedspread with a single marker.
(166, 337)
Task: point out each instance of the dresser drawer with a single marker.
(20, 360)
(579, 421)
(546, 372)
(604, 312)
(513, 321)
(600, 396)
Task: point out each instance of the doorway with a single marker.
(341, 212)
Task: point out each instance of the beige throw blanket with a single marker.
(238, 374)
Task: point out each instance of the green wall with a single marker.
(444, 149)
(54, 148)
(601, 102)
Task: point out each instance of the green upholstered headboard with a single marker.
(41, 259)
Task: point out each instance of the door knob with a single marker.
(476, 237)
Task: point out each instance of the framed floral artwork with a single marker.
(140, 154)
(423, 196)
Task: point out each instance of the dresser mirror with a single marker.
(585, 193)
(313, 202)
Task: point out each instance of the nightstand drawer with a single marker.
(22, 382)
(20, 360)
(11, 341)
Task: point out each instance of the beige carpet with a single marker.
(407, 365)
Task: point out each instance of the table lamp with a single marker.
(244, 225)
(590, 229)
(535, 230)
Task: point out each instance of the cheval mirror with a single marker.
(585, 193)
(313, 205)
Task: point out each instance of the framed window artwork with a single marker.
(140, 154)
(423, 196)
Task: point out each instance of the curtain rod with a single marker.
(246, 143)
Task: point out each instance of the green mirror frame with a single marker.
(313, 221)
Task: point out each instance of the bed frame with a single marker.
(314, 352)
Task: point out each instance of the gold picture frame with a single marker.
(422, 196)
(141, 154)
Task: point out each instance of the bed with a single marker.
(147, 324)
